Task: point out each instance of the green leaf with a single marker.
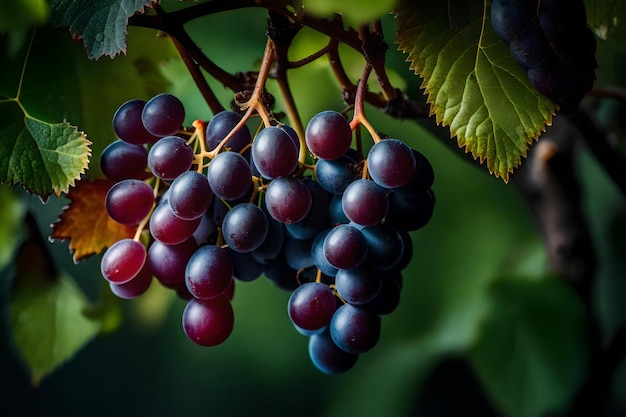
(354, 12)
(43, 157)
(48, 314)
(49, 325)
(101, 24)
(473, 84)
(532, 353)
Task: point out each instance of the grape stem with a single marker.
(359, 117)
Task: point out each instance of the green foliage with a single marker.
(101, 24)
(532, 351)
(354, 12)
(44, 157)
(49, 323)
(11, 214)
(473, 83)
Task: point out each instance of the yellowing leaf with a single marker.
(473, 84)
(85, 221)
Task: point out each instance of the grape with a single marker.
(128, 126)
(345, 247)
(208, 272)
(229, 175)
(509, 17)
(531, 48)
(317, 253)
(292, 134)
(335, 211)
(274, 153)
(122, 261)
(335, 175)
(129, 201)
(169, 229)
(407, 250)
(137, 286)
(423, 176)
(205, 229)
(317, 219)
(384, 246)
(410, 212)
(298, 253)
(121, 160)
(245, 266)
(220, 126)
(354, 329)
(365, 202)
(190, 195)
(245, 227)
(169, 157)
(311, 306)
(273, 243)
(327, 357)
(358, 285)
(163, 115)
(229, 293)
(288, 199)
(328, 135)
(168, 262)
(208, 322)
(388, 297)
(281, 274)
(391, 163)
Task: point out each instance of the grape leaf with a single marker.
(11, 212)
(47, 311)
(85, 221)
(101, 24)
(44, 157)
(473, 84)
(532, 346)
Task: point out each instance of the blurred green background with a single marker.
(482, 329)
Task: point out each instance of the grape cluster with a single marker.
(334, 232)
(551, 40)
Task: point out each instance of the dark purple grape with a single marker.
(358, 285)
(410, 212)
(354, 329)
(220, 126)
(407, 251)
(163, 115)
(388, 297)
(168, 262)
(169, 229)
(365, 202)
(423, 176)
(273, 243)
(128, 126)
(335, 211)
(327, 356)
(317, 253)
(121, 161)
(190, 195)
(384, 246)
(205, 229)
(137, 286)
(245, 267)
(335, 175)
(312, 305)
(208, 272)
(297, 253)
(129, 201)
(230, 175)
(281, 274)
(245, 227)
(292, 134)
(274, 153)
(169, 157)
(510, 17)
(288, 199)
(208, 322)
(345, 247)
(531, 48)
(328, 135)
(122, 261)
(391, 163)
